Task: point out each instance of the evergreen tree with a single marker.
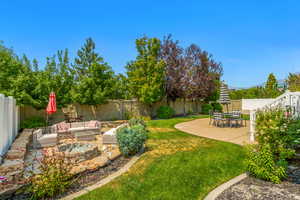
(94, 77)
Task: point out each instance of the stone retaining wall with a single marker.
(13, 166)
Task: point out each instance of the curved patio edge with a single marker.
(104, 181)
(212, 195)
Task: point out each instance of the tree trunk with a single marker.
(93, 111)
(184, 112)
(150, 111)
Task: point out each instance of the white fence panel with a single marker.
(9, 123)
(253, 104)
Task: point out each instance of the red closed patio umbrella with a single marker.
(51, 108)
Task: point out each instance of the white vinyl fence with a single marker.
(253, 104)
(9, 123)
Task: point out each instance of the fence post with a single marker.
(10, 121)
(252, 125)
(2, 130)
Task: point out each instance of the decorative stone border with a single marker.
(217, 191)
(103, 181)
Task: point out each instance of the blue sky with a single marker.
(251, 38)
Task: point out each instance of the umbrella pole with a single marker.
(47, 119)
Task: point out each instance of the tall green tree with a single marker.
(10, 68)
(293, 82)
(146, 74)
(16, 78)
(58, 76)
(272, 83)
(271, 87)
(120, 88)
(94, 77)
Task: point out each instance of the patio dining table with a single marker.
(229, 117)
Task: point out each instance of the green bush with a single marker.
(165, 112)
(33, 122)
(262, 164)
(246, 116)
(217, 107)
(54, 179)
(205, 108)
(137, 121)
(277, 130)
(276, 134)
(131, 139)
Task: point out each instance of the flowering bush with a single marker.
(277, 135)
(54, 178)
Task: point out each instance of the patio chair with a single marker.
(236, 116)
(218, 118)
(41, 140)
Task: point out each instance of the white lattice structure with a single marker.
(288, 99)
(9, 123)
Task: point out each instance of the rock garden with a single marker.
(81, 153)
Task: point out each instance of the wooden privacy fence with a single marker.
(112, 110)
(234, 105)
(9, 123)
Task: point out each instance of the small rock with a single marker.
(292, 168)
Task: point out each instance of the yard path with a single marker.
(201, 127)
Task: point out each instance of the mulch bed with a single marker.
(85, 179)
(255, 189)
(252, 188)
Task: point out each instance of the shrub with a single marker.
(275, 129)
(205, 108)
(128, 115)
(261, 163)
(131, 139)
(165, 112)
(277, 134)
(145, 118)
(217, 107)
(137, 121)
(33, 122)
(54, 178)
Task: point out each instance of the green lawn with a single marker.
(176, 165)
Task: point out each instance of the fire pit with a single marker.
(78, 152)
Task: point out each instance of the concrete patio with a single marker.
(201, 127)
